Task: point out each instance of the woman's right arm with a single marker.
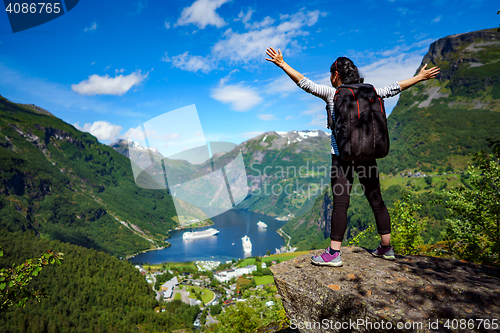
(277, 59)
(307, 85)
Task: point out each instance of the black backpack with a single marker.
(360, 126)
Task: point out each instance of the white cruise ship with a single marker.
(247, 245)
(200, 234)
(262, 224)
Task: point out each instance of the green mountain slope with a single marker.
(286, 171)
(442, 122)
(65, 185)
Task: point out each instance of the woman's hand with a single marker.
(426, 74)
(276, 57)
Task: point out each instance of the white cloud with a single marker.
(106, 85)
(266, 117)
(282, 85)
(125, 135)
(318, 120)
(189, 63)
(102, 130)
(422, 46)
(202, 13)
(420, 35)
(55, 97)
(397, 66)
(240, 97)
(92, 63)
(317, 114)
(140, 6)
(249, 135)
(120, 70)
(245, 17)
(247, 47)
(437, 19)
(92, 27)
(403, 10)
(267, 21)
(167, 25)
(391, 69)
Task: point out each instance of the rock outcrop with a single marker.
(367, 294)
(460, 49)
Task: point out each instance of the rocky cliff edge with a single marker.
(367, 294)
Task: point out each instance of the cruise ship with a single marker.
(200, 234)
(247, 245)
(262, 224)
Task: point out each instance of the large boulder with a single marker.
(367, 294)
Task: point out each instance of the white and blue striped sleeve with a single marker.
(319, 90)
(389, 91)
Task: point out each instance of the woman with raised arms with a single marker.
(343, 71)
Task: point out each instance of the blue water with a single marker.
(226, 245)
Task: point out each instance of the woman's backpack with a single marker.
(360, 126)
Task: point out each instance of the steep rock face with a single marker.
(324, 222)
(442, 122)
(420, 294)
(444, 48)
(311, 228)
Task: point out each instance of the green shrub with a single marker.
(406, 236)
(473, 231)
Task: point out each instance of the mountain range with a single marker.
(65, 185)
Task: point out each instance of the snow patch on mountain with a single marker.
(132, 145)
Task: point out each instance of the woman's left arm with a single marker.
(397, 87)
(424, 74)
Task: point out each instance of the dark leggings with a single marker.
(342, 175)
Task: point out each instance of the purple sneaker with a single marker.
(385, 253)
(327, 259)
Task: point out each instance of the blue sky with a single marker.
(109, 66)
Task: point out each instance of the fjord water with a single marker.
(232, 226)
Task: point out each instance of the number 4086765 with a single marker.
(33, 8)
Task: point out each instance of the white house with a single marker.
(224, 276)
(168, 287)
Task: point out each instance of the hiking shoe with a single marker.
(327, 259)
(385, 253)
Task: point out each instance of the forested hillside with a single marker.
(65, 185)
(89, 292)
(441, 122)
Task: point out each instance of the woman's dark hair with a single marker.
(348, 72)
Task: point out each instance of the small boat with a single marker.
(262, 224)
(247, 245)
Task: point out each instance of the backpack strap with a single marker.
(329, 114)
